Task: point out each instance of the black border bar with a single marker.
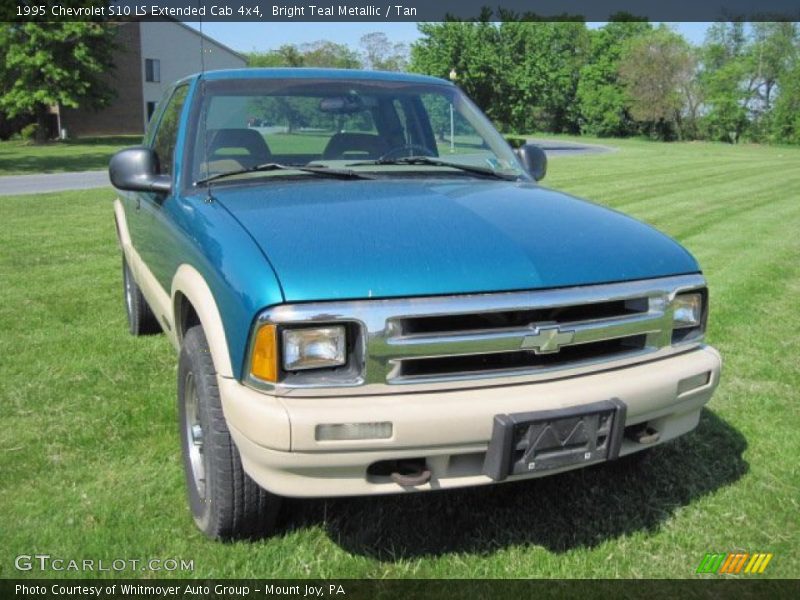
(746, 586)
(265, 11)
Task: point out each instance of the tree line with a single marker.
(376, 51)
(625, 78)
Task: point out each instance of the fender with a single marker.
(271, 429)
(262, 418)
(190, 283)
(187, 282)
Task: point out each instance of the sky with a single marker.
(247, 37)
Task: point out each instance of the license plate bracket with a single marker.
(549, 439)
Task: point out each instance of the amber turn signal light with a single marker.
(264, 363)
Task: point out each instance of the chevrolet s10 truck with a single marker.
(371, 294)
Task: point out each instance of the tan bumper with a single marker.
(450, 430)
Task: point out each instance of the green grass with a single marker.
(85, 154)
(89, 452)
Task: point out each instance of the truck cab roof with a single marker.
(316, 73)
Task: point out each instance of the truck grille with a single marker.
(486, 321)
(451, 342)
(518, 359)
(502, 342)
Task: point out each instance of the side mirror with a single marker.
(533, 159)
(137, 170)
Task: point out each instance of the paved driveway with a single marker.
(56, 182)
(555, 148)
(52, 182)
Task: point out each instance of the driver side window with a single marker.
(167, 132)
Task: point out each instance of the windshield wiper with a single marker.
(324, 171)
(434, 162)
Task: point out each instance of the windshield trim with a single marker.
(321, 170)
(440, 173)
(436, 162)
(202, 87)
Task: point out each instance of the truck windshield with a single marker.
(366, 126)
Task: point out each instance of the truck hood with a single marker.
(335, 240)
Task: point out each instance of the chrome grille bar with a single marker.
(490, 341)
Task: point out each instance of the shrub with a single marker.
(28, 133)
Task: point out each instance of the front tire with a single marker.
(226, 503)
(141, 320)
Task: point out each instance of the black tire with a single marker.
(141, 320)
(226, 503)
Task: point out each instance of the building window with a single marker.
(151, 108)
(152, 70)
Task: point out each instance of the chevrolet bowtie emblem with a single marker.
(547, 340)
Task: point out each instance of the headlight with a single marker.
(687, 310)
(315, 348)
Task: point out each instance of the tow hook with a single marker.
(411, 474)
(642, 434)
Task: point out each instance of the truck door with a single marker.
(150, 231)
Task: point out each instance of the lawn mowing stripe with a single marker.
(705, 182)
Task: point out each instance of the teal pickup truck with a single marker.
(371, 294)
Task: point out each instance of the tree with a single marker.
(654, 68)
(744, 69)
(329, 54)
(543, 65)
(321, 53)
(727, 88)
(725, 41)
(726, 99)
(600, 95)
(785, 126)
(692, 93)
(772, 53)
(382, 55)
(286, 56)
(61, 63)
(471, 49)
(522, 74)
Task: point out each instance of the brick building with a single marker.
(151, 56)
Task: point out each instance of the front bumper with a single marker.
(449, 430)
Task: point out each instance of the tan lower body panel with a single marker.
(449, 430)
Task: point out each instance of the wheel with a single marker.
(141, 320)
(226, 503)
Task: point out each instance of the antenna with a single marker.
(202, 43)
(204, 107)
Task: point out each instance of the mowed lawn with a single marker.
(89, 453)
(83, 154)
